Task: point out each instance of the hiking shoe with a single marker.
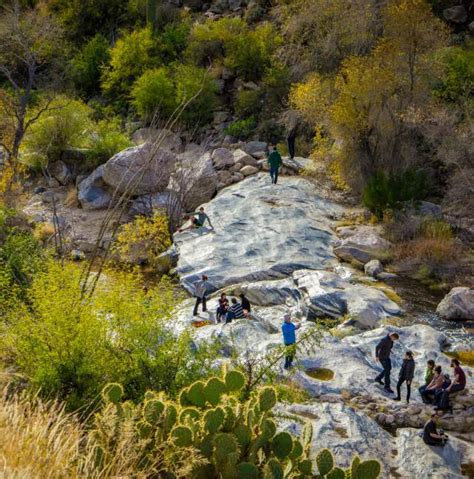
(397, 399)
(389, 390)
(378, 381)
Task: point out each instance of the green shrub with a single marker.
(249, 102)
(457, 83)
(130, 57)
(190, 81)
(70, 347)
(67, 124)
(106, 140)
(87, 65)
(154, 93)
(384, 191)
(242, 129)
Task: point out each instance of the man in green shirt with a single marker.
(274, 160)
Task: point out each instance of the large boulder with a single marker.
(261, 233)
(248, 170)
(140, 169)
(92, 192)
(458, 304)
(165, 139)
(244, 159)
(145, 205)
(373, 268)
(61, 172)
(194, 180)
(254, 147)
(456, 14)
(361, 245)
(330, 295)
(222, 158)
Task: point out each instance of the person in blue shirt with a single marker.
(289, 339)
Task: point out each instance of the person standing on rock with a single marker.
(200, 292)
(407, 372)
(382, 353)
(288, 329)
(275, 161)
(431, 435)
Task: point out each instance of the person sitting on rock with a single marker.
(458, 384)
(431, 436)
(222, 308)
(275, 161)
(245, 303)
(436, 384)
(288, 329)
(407, 372)
(235, 311)
(429, 373)
(200, 292)
(382, 354)
(197, 222)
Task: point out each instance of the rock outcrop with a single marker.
(458, 304)
(142, 169)
(92, 192)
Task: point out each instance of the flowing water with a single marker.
(420, 305)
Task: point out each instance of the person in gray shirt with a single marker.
(201, 288)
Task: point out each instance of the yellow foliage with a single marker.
(144, 237)
(44, 232)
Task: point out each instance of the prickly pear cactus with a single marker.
(324, 461)
(113, 393)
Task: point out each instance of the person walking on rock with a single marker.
(431, 436)
(200, 292)
(382, 353)
(274, 160)
(407, 372)
(288, 329)
(458, 384)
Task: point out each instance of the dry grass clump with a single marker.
(71, 199)
(44, 232)
(38, 439)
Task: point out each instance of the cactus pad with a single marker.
(214, 419)
(306, 467)
(234, 381)
(213, 390)
(282, 444)
(267, 399)
(324, 461)
(368, 470)
(246, 470)
(112, 392)
(152, 410)
(182, 436)
(273, 470)
(195, 394)
(336, 473)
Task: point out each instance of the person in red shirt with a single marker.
(458, 384)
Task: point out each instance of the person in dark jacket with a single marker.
(407, 371)
(458, 384)
(274, 161)
(431, 436)
(244, 302)
(222, 308)
(382, 353)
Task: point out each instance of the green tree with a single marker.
(154, 93)
(130, 57)
(87, 65)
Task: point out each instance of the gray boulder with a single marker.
(361, 244)
(458, 304)
(244, 158)
(92, 192)
(456, 14)
(253, 147)
(222, 158)
(61, 172)
(147, 204)
(249, 170)
(373, 268)
(194, 180)
(269, 293)
(166, 138)
(140, 169)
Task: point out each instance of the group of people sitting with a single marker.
(226, 311)
(438, 386)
